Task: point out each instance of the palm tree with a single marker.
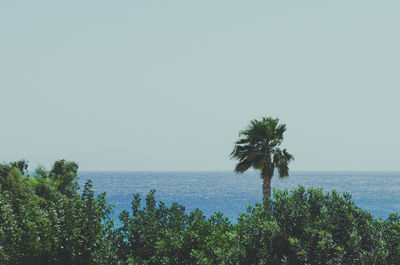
(258, 147)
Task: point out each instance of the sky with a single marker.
(168, 85)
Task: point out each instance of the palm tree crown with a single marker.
(258, 147)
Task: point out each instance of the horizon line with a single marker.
(225, 170)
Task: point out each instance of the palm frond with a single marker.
(281, 161)
(279, 132)
(242, 166)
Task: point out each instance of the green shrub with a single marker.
(45, 220)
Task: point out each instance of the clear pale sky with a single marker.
(167, 85)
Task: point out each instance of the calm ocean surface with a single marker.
(377, 192)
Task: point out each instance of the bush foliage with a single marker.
(46, 219)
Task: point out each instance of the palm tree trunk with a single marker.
(266, 187)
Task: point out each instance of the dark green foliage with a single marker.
(45, 220)
(166, 235)
(391, 239)
(309, 227)
(64, 175)
(297, 227)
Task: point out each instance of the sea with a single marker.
(230, 193)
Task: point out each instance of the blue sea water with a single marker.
(376, 192)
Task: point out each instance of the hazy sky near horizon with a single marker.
(167, 85)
